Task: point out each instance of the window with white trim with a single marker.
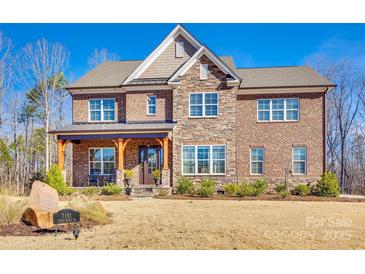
(203, 104)
(203, 160)
(257, 161)
(101, 161)
(102, 109)
(151, 105)
(179, 49)
(278, 109)
(203, 71)
(299, 157)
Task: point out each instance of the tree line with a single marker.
(33, 100)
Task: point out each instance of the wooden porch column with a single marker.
(165, 153)
(61, 154)
(120, 154)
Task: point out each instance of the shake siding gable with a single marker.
(167, 63)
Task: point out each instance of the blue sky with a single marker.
(251, 45)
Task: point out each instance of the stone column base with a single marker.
(165, 178)
(120, 178)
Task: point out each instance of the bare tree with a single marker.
(41, 66)
(6, 47)
(100, 56)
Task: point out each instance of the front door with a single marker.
(150, 160)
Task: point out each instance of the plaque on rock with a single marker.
(66, 216)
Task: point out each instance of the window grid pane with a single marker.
(257, 161)
(101, 161)
(203, 159)
(278, 109)
(203, 104)
(299, 155)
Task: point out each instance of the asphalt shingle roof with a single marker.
(97, 127)
(108, 74)
(280, 77)
(113, 74)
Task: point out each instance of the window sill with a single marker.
(203, 117)
(205, 174)
(268, 122)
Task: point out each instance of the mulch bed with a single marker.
(21, 229)
(99, 198)
(263, 197)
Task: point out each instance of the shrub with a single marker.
(280, 188)
(54, 178)
(260, 187)
(156, 174)
(90, 191)
(91, 212)
(328, 185)
(206, 188)
(184, 186)
(128, 174)
(162, 193)
(246, 189)
(284, 194)
(11, 209)
(302, 190)
(231, 189)
(111, 189)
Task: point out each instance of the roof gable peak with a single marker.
(178, 30)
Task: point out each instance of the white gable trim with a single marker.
(178, 30)
(203, 51)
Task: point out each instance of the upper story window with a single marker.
(203, 104)
(179, 49)
(151, 105)
(102, 109)
(299, 157)
(203, 71)
(278, 109)
(200, 160)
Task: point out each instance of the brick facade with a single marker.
(136, 106)
(196, 131)
(130, 106)
(278, 138)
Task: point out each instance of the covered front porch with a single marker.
(102, 158)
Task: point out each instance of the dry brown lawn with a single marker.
(199, 224)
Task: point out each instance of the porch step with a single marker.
(142, 192)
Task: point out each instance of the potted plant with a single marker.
(128, 175)
(156, 176)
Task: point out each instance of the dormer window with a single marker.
(179, 49)
(203, 71)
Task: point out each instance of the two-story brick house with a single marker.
(190, 113)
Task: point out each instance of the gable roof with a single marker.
(178, 30)
(108, 74)
(203, 51)
(276, 77)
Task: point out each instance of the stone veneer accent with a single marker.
(278, 138)
(199, 131)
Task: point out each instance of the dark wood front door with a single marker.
(150, 160)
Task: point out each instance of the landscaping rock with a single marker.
(42, 203)
(43, 197)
